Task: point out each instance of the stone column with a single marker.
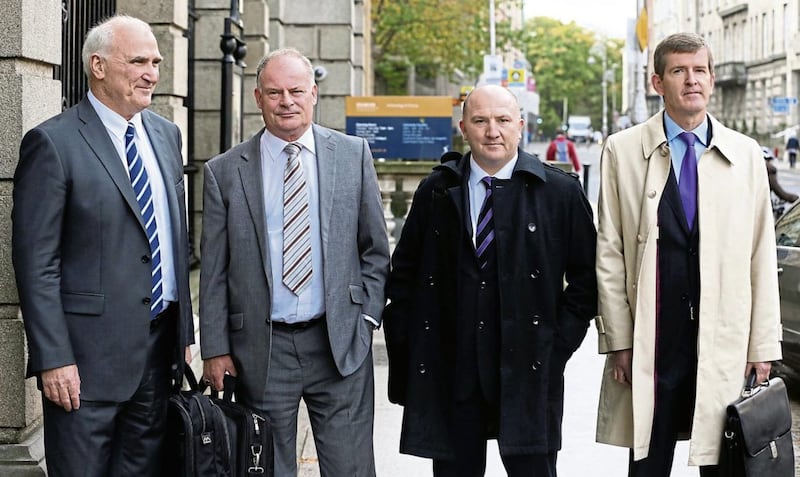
(334, 35)
(30, 47)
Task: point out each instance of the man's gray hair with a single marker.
(99, 38)
(292, 52)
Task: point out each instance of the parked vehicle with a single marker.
(579, 129)
(787, 233)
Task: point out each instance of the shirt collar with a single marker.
(476, 173)
(275, 145)
(672, 130)
(116, 124)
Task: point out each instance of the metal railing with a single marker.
(78, 17)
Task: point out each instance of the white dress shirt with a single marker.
(117, 126)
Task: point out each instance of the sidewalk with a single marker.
(580, 456)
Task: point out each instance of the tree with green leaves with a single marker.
(566, 60)
(435, 37)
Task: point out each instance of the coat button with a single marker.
(639, 238)
(535, 320)
(145, 259)
(427, 325)
(651, 194)
(531, 227)
(481, 325)
(421, 368)
(146, 301)
(483, 285)
(430, 280)
(535, 274)
(535, 366)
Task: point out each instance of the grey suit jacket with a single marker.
(235, 278)
(81, 254)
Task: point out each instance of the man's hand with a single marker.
(214, 370)
(622, 365)
(187, 354)
(762, 371)
(62, 386)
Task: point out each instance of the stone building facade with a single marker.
(756, 46)
(334, 34)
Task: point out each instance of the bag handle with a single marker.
(750, 387)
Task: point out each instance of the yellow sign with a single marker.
(399, 106)
(516, 77)
(641, 29)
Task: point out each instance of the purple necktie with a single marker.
(688, 179)
(484, 232)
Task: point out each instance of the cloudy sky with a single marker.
(608, 16)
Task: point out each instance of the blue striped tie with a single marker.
(484, 232)
(144, 196)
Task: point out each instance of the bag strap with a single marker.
(188, 375)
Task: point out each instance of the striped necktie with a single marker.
(144, 196)
(296, 223)
(484, 232)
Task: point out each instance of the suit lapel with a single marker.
(96, 136)
(160, 144)
(251, 176)
(326, 178)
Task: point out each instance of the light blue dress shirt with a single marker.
(677, 147)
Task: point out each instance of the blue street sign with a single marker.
(783, 100)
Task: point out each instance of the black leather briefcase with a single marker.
(757, 440)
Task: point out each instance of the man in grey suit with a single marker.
(294, 261)
(100, 253)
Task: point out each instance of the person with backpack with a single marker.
(562, 149)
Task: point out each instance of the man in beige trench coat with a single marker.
(686, 269)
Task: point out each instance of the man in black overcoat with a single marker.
(492, 289)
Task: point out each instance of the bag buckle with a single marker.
(773, 449)
(255, 451)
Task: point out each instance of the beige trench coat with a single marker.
(739, 317)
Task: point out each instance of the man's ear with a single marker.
(97, 66)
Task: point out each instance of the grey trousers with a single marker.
(341, 409)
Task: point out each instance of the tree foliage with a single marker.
(436, 36)
(566, 61)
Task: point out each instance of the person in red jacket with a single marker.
(562, 149)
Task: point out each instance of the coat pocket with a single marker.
(236, 321)
(83, 303)
(358, 294)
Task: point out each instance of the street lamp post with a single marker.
(605, 92)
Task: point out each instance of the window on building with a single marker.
(78, 17)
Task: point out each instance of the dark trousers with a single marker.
(673, 414)
(116, 439)
(470, 421)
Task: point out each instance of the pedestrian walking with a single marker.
(792, 145)
(562, 149)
